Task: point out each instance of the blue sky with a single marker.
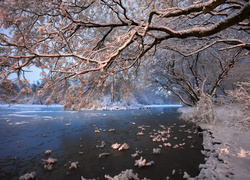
(31, 76)
(34, 75)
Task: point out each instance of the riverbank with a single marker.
(227, 151)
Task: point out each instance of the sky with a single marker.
(32, 76)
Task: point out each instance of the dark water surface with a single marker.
(26, 132)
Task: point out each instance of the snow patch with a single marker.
(124, 147)
(74, 165)
(48, 164)
(28, 176)
(142, 162)
(97, 131)
(103, 154)
(140, 134)
(167, 144)
(101, 146)
(111, 130)
(124, 175)
(47, 152)
(115, 146)
(136, 154)
(156, 151)
(243, 153)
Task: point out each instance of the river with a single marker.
(27, 131)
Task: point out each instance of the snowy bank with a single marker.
(227, 150)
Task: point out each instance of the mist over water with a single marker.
(28, 131)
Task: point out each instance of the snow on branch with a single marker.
(233, 19)
(80, 46)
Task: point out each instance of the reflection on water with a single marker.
(28, 131)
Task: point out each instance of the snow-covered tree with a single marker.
(85, 42)
(190, 77)
(239, 104)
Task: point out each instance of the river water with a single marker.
(28, 131)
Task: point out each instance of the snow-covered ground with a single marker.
(227, 150)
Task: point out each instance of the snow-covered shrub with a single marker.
(238, 105)
(232, 110)
(203, 112)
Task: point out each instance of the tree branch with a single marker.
(199, 32)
